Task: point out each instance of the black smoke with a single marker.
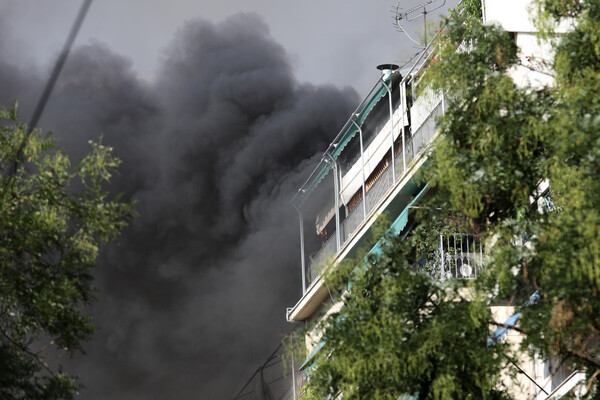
(193, 295)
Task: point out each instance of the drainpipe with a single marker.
(301, 220)
(336, 189)
(362, 160)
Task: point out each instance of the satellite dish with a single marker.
(402, 16)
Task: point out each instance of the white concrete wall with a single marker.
(514, 15)
(535, 69)
(536, 57)
(522, 388)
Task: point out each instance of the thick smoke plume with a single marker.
(192, 296)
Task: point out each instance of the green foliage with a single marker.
(499, 144)
(400, 332)
(54, 217)
(294, 350)
(471, 9)
(567, 256)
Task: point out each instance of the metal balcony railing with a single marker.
(320, 258)
(459, 255)
(416, 142)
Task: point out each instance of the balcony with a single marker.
(459, 255)
(383, 175)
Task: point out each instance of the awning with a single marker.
(398, 225)
(311, 183)
(311, 360)
(319, 175)
(511, 322)
(360, 119)
(323, 168)
(324, 216)
(500, 333)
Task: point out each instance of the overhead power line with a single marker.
(60, 62)
(41, 104)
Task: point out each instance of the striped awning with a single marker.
(511, 322)
(348, 132)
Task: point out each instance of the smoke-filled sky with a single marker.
(219, 112)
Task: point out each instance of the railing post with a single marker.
(469, 256)
(462, 257)
(404, 109)
(455, 257)
(336, 190)
(362, 162)
(389, 90)
(303, 262)
(442, 272)
(480, 254)
(443, 103)
(293, 367)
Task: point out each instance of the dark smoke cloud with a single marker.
(193, 294)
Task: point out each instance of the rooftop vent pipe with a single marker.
(387, 70)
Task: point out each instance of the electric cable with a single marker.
(39, 109)
(58, 66)
(239, 394)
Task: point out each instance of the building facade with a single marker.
(370, 169)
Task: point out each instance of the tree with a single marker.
(498, 146)
(566, 262)
(403, 332)
(509, 141)
(53, 219)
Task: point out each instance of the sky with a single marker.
(219, 111)
(327, 41)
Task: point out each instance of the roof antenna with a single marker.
(412, 14)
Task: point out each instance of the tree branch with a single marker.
(582, 356)
(24, 349)
(503, 325)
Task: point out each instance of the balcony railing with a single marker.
(320, 258)
(459, 255)
(415, 143)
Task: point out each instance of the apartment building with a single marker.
(370, 169)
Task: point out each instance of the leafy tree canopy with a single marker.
(53, 219)
(401, 332)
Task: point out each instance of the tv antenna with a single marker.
(413, 14)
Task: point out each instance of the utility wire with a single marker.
(41, 104)
(39, 109)
(62, 58)
(239, 394)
